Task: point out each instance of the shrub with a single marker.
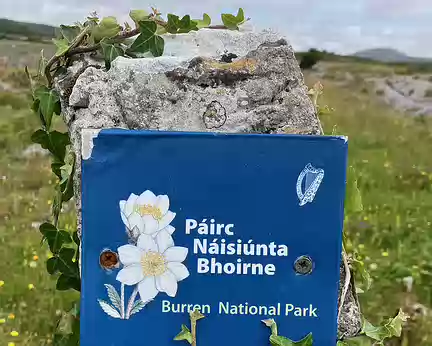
(310, 59)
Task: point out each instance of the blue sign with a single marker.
(243, 227)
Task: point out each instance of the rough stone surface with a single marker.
(210, 80)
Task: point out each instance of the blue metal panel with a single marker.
(158, 201)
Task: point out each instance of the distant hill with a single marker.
(13, 29)
(389, 55)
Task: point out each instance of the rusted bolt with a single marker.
(303, 265)
(109, 259)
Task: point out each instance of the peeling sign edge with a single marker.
(344, 138)
(87, 136)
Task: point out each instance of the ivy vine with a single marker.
(107, 38)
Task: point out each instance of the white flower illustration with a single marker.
(146, 214)
(154, 265)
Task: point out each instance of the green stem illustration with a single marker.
(122, 301)
(190, 335)
(131, 302)
(193, 331)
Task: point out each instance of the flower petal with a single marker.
(147, 197)
(135, 220)
(124, 219)
(167, 283)
(166, 219)
(164, 241)
(150, 224)
(176, 254)
(146, 243)
(129, 254)
(179, 270)
(130, 204)
(170, 229)
(147, 289)
(130, 275)
(162, 202)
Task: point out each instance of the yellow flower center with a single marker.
(153, 264)
(148, 209)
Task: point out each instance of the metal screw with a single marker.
(303, 265)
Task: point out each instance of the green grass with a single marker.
(389, 150)
(25, 194)
(391, 154)
(21, 53)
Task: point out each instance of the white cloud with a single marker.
(340, 25)
(397, 7)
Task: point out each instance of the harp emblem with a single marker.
(308, 183)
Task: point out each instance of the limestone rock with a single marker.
(210, 80)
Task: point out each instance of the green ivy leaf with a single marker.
(55, 238)
(52, 265)
(196, 315)
(203, 23)
(356, 341)
(148, 41)
(271, 323)
(353, 198)
(176, 25)
(68, 167)
(66, 340)
(65, 283)
(360, 269)
(76, 238)
(160, 30)
(387, 329)
(53, 141)
(111, 52)
(277, 340)
(232, 22)
(62, 46)
(65, 263)
(67, 331)
(36, 109)
(138, 16)
(185, 334)
(67, 172)
(56, 166)
(57, 202)
(107, 28)
(70, 32)
(49, 103)
(173, 23)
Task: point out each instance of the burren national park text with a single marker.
(226, 308)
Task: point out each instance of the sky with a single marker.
(340, 26)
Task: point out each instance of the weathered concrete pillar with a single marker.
(210, 80)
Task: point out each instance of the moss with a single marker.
(248, 65)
